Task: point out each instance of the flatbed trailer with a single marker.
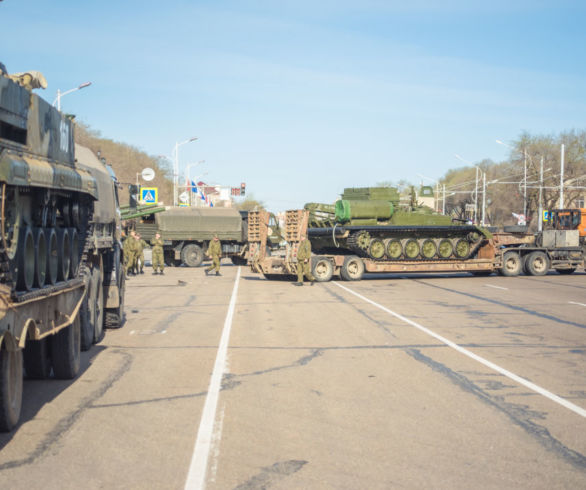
(39, 330)
(504, 253)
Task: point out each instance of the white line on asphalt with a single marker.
(574, 303)
(495, 287)
(205, 435)
(466, 352)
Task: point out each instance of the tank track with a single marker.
(359, 242)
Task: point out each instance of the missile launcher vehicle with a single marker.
(373, 223)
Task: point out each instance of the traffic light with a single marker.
(242, 189)
(133, 191)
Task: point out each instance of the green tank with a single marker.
(374, 223)
(46, 199)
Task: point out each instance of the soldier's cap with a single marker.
(215, 235)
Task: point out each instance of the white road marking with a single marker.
(574, 303)
(205, 433)
(466, 352)
(495, 287)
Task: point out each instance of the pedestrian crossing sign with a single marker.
(149, 195)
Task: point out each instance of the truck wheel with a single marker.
(536, 264)
(237, 260)
(85, 316)
(566, 271)
(322, 269)
(10, 388)
(115, 317)
(512, 264)
(37, 359)
(192, 255)
(96, 303)
(66, 352)
(352, 269)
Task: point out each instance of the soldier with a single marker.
(304, 261)
(158, 261)
(130, 252)
(139, 254)
(215, 252)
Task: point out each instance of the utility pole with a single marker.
(540, 222)
(561, 204)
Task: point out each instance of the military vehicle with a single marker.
(46, 232)
(188, 230)
(104, 276)
(373, 223)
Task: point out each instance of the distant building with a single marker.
(426, 197)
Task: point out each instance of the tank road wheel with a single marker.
(65, 351)
(428, 249)
(192, 255)
(537, 264)
(512, 264)
(10, 388)
(52, 256)
(64, 254)
(411, 249)
(445, 249)
(37, 359)
(322, 268)
(75, 252)
(462, 248)
(376, 248)
(26, 261)
(394, 249)
(352, 269)
(40, 257)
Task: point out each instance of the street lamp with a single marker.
(476, 186)
(176, 168)
(188, 168)
(60, 94)
(525, 155)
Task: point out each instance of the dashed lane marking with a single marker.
(574, 303)
(496, 287)
(528, 384)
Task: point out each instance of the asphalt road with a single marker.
(234, 382)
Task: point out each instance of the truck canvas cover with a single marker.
(200, 223)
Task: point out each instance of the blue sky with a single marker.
(300, 99)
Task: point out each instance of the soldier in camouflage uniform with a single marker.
(215, 252)
(139, 254)
(158, 260)
(304, 262)
(130, 253)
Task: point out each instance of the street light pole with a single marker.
(176, 170)
(561, 205)
(57, 101)
(483, 197)
(540, 222)
(525, 182)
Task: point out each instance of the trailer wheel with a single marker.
(512, 264)
(536, 264)
(65, 351)
(322, 268)
(37, 359)
(10, 388)
(192, 255)
(566, 271)
(237, 260)
(352, 269)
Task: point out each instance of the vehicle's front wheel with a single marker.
(192, 255)
(322, 268)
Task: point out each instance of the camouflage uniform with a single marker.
(158, 260)
(215, 252)
(130, 245)
(304, 262)
(139, 255)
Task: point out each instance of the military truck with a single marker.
(104, 276)
(187, 232)
(46, 233)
